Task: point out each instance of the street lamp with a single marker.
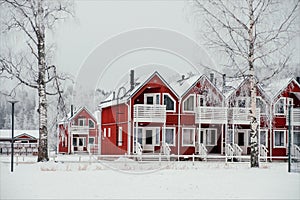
(12, 134)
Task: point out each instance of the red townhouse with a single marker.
(284, 93)
(238, 127)
(78, 133)
(154, 116)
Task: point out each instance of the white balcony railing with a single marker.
(295, 117)
(149, 113)
(241, 115)
(211, 115)
(263, 152)
(79, 129)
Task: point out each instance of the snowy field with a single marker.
(125, 179)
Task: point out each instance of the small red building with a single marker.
(78, 133)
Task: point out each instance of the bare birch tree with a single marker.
(254, 35)
(30, 19)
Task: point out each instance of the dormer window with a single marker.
(279, 107)
(81, 122)
(152, 98)
(91, 123)
(189, 103)
(169, 102)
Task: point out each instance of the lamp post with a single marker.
(12, 134)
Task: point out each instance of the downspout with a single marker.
(100, 131)
(128, 127)
(178, 135)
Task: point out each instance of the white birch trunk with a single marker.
(43, 131)
(253, 123)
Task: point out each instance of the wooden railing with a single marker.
(149, 113)
(263, 152)
(201, 150)
(211, 115)
(296, 151)
(295, 117)
(241, 115)
(19, 148)
(79, 129)
(229, 152)
(139, 150)
(167, 150)
(237, 151)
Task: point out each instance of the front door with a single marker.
(79, 143)
(148, 143)
(241, 140)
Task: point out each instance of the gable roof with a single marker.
(69, 117)
(276, 87)
(142, 81)
(6, 133)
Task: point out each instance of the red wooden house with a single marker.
(238, 104)
(284, 93)
(78, 133)
(157, 116)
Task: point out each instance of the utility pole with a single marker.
(289, 147)
(12, 134)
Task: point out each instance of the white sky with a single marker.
(97, 21)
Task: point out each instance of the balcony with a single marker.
(149, 113)
(295, 117)
(211, 115)
(241, 115)
(79, 129)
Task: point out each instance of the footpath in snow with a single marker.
(125, 179)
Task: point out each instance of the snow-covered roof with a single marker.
(70, 117)
(182, 85)
(232, 85)
(275, 87)
(6, 133)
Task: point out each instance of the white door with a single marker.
(241, 140)
(148, 139)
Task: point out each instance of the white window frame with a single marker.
(284, 106)
(207, 135)
(109, 132)
(266, 130)
(188, 145)
(82, 119)
(154, 98)
(199, 96)
(157, 141)
(266, 107)
(92, 122)
(167, 94)
(190, 111)
(174, 135)
(120, 135)
(91, 138)
(104, 132)
(284, 138)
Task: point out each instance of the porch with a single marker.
(295, 117)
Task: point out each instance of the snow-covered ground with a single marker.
(129, 179)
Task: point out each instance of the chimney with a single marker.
(131, 80)
(298, 79)
(114, 95)
(72, 110)
(224, 82)
(211, 78)
(182, 77)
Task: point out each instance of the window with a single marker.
(170, 136)
(169, 102)
(104, 132)
(279, 138)
(242, 103)
(188, 137)
(263, 137)
(189, 103)
(91, 140)
(109, 131)
(91, 123)
(201, 100)
(81, 122)
(211, 137)
(139, 136)
(152, 98)
(229, 136)
(280, 107)
(120, 139)
(261, 104)
(296, 138)
(157, 136)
